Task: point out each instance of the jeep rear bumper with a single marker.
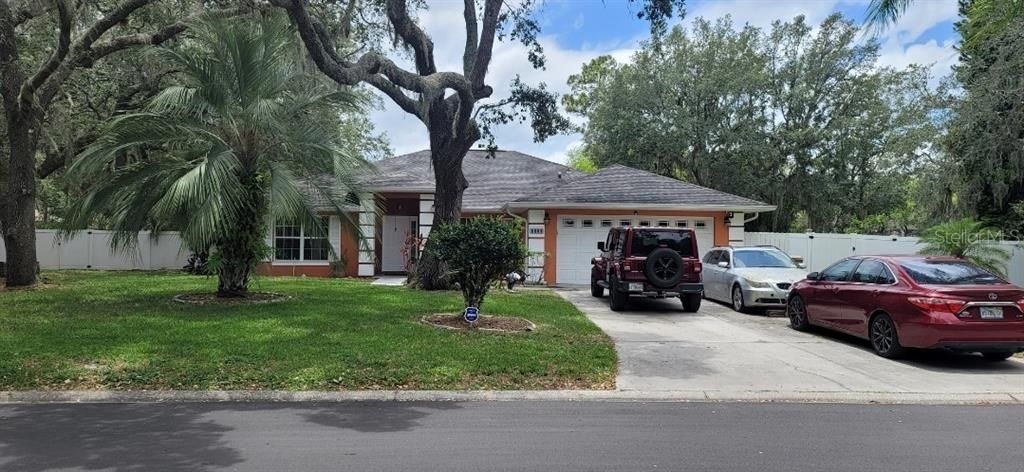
(644, 288)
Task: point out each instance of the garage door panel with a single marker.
(577, 244)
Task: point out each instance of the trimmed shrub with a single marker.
(479, 252)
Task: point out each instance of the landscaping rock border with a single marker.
(489, 323)
(254, 298)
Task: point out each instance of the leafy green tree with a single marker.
(478, 253)
(800, 117)
(967, 239)
(578, 159)
(246, 138)
(984, 138)
(43, 44)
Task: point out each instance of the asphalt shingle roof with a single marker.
(509, 177)
(493, 181)
(621, 184)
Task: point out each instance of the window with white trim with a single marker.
(588, 223)
(700, 224)
(663, 223)
(606, 223)
(625, 222)
(293, 242)
(569, 223)
(645, 222)
(681, 224)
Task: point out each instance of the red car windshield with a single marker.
(948, 273)
(645, 241)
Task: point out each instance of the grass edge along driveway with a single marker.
(122, 331)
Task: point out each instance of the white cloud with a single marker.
(443, 22)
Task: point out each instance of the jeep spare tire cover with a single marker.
(664, 267)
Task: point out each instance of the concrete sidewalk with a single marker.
(731, 355)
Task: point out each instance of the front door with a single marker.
(395, 233)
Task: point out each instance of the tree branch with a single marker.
(469, 53)
(50, 79)
(483, 56)
(396, 95)
(58, 158)
(413, 37)
(55, 60)
(87, 56)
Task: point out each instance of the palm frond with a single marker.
(883, 13)
(966, 239)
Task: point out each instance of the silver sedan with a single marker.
(750, 277)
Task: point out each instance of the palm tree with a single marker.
(984, 17)
(966, 239)
(244, 139)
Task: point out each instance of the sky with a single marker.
(575, 31)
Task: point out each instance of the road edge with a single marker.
(280, 396)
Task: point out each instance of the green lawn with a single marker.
(109, 330)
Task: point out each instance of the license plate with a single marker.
(991, 312)
(636, 287)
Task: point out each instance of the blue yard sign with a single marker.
(472, 314)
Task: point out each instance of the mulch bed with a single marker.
(213, 299)
(501, 324)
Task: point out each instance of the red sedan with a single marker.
(900, 302)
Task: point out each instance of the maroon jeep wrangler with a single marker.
(653, 262)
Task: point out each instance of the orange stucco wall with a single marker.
(551, 230)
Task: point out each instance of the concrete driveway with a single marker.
(725, 354)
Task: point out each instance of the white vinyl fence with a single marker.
(90, 249)
(820, 250)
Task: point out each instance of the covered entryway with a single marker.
(395, 231)
(578, 236)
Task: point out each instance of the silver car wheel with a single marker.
(737, 298)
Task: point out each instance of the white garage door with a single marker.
(578, 236)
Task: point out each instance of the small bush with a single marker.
(479, 252)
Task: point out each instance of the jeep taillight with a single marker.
(698, 267)
(627, 267)
(1020, 305)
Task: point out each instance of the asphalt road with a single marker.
(482, 436)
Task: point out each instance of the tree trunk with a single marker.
(240, 251)
(450, 183)
(17, 210)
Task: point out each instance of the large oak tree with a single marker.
(82, 33)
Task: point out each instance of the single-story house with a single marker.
(566, 212)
